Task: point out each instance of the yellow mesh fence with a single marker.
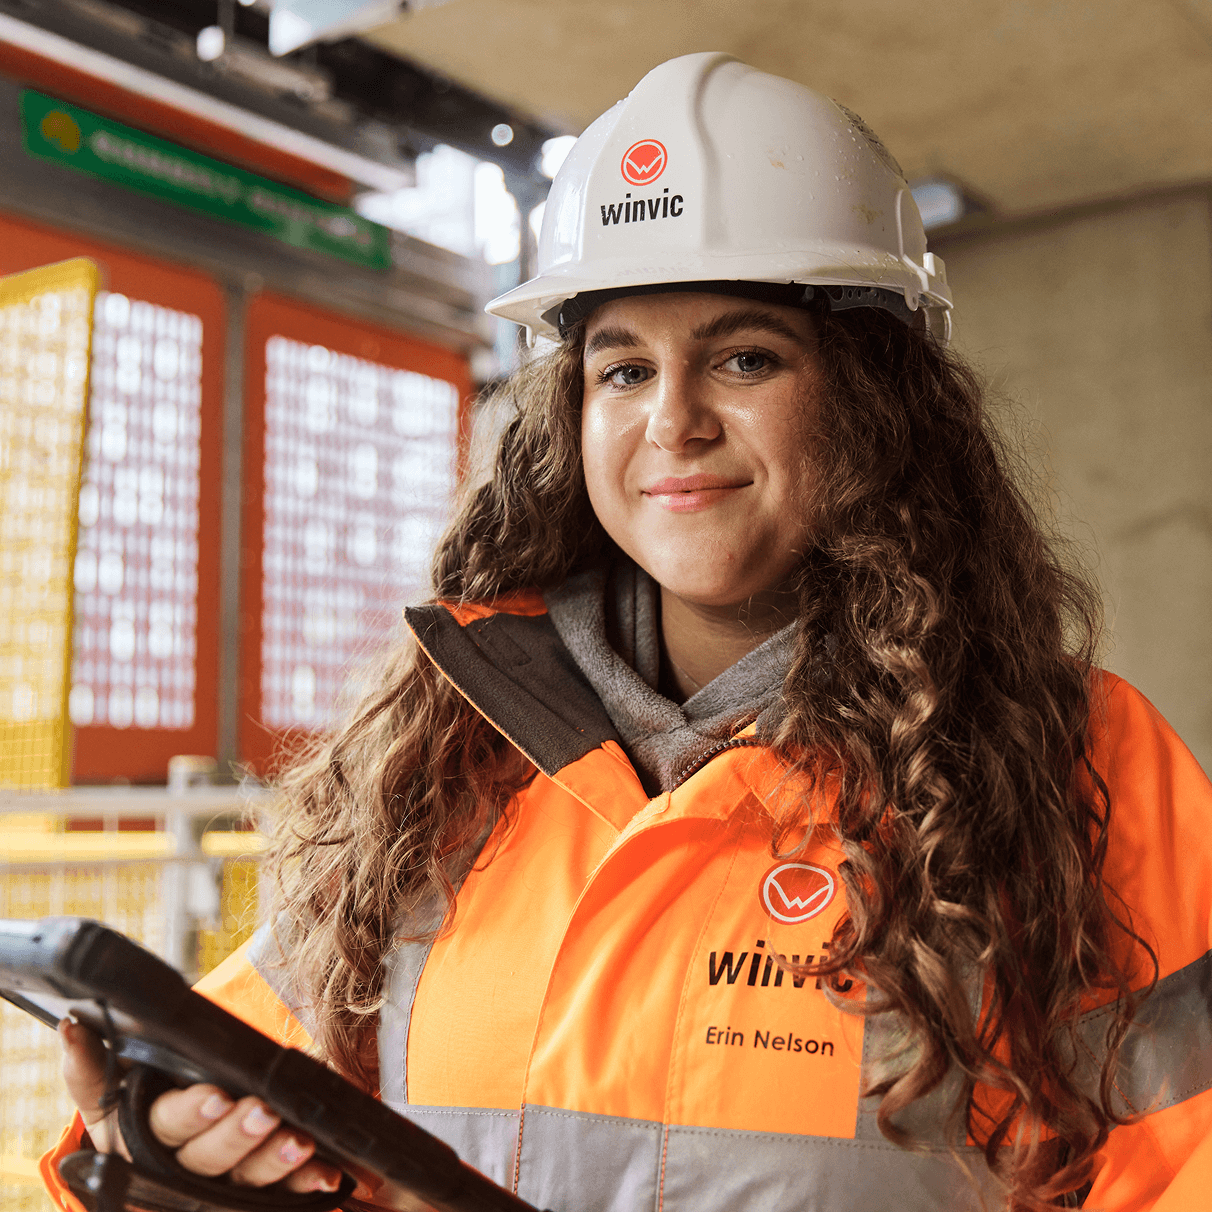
(237, 914)
(130, 897)
(45, 334)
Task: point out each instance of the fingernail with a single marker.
(258, 1121)
(292, 1151)
(214, 1106)
(328, 1182)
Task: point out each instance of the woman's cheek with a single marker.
(604, 447)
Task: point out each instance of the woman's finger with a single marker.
(84, 1075)
(228, 1141)
(281, 1154)
(184, 1116)
(180, 1115)
(314, 1176)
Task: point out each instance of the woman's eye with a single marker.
(625, 376)
(749, 362)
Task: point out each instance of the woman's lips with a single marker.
(686, 494)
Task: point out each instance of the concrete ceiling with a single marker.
(1033, 104)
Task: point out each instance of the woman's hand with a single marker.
(212, 1134)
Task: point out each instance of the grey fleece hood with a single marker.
(609, 621)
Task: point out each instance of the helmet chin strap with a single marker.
(786, 294)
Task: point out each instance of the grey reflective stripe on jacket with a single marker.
(602, 1163)
(1166, 1057)
(266, 956)
(404, 966)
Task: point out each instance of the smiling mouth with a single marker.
(678, 485)
(688, 494)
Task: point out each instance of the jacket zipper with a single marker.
(736, 742)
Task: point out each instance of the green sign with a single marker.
(95, 145)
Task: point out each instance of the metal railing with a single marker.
(187, 889)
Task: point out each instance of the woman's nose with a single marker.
(680, 412)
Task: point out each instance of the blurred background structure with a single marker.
(297, 209)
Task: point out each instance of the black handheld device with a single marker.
(160, 1033)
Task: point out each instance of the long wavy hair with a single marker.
(941, 681)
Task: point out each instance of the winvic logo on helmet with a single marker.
(795, 892)
(643, 162)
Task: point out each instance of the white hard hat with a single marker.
(714, 173)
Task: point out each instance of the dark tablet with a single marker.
(58, 966)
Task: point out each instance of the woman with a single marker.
(747, 826)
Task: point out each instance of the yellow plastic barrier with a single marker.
(46, 318)
(104, 876)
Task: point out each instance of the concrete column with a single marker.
(1094, 328)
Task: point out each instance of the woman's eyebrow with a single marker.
(751, 318)
(610, 338)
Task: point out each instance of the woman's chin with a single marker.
(713, 577)
(716, 594)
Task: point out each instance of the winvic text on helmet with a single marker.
(714, 172)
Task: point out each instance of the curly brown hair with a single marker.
(941, 680)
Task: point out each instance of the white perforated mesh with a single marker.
(137, 561)
(359, 470)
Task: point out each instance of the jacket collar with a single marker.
(507, 659)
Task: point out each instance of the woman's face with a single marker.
(695, 435)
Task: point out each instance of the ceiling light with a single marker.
(502, 134)
(555, 151)
(294, 24)
(211, 43)
(287, 32)
(942, 201)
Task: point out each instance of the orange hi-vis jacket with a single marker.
(606, 1025)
